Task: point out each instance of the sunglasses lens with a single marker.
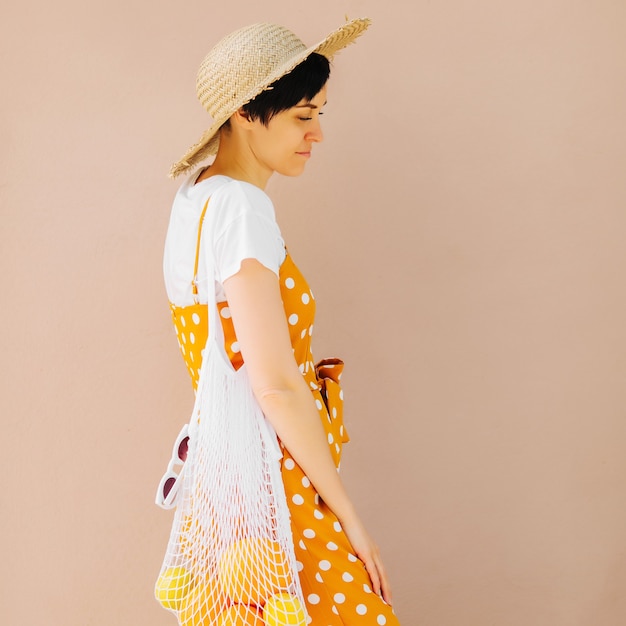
(182, 449)
(167, 487)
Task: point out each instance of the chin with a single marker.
(292, 171)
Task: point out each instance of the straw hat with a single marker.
(244, 64)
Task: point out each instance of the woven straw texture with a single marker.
(245, 63)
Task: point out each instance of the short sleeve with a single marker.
(246, 229)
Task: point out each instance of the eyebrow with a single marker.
(309, 105)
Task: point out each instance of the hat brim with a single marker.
(329, 46)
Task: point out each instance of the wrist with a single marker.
(347, 514)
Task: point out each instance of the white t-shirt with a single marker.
(240, 222)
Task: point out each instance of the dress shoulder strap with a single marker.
(215, 330)
(194, 281)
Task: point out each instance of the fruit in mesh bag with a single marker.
(185, 530)
(253, 569)
(284, 609)
(240, 615)
(172, 586)
(201, 606)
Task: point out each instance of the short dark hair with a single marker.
(304, 82)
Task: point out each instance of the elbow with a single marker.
(275, 393)
(276, 398)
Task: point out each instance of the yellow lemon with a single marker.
(240, 615)
(284, 610)
(253, 569)
(172, 586)
(201, 606)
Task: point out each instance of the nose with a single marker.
(315, 133)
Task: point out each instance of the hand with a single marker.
(367, 551)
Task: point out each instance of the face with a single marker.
(285, 144)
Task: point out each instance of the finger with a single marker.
(386, 591)
(372, 570)
(385, 587)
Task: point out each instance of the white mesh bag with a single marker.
(230, 558)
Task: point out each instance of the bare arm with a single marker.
(256, 307)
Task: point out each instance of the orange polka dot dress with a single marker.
(334, 581)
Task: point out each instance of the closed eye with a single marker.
(306, 119)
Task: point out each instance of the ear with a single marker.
(241, 118)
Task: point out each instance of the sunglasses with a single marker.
(170, 483)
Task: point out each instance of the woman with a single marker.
(266, 92)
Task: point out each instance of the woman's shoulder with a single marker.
(230, 202)
(229, 197)
(237, 198)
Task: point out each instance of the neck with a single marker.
(238, 162)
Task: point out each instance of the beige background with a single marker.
(463, 229)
